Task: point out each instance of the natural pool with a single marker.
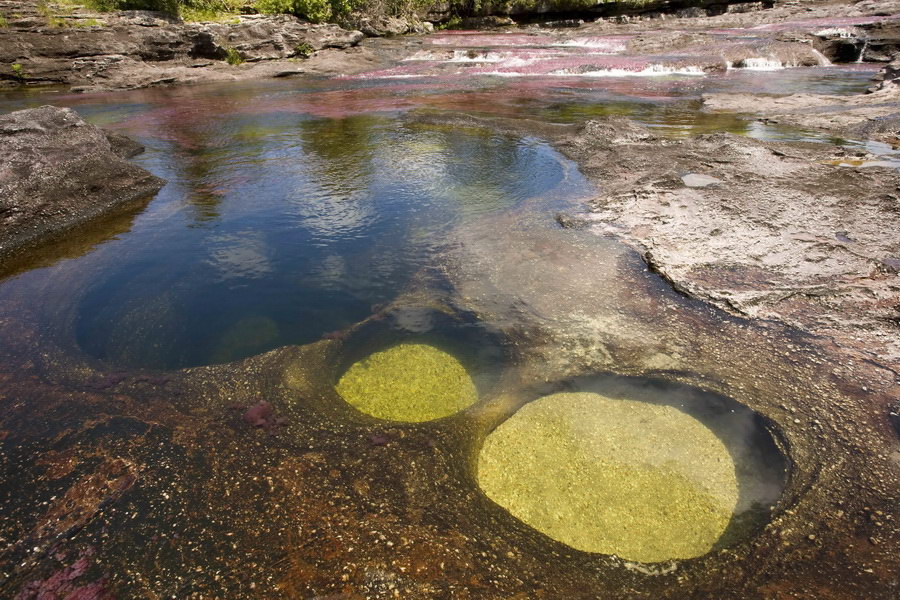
(320, 215)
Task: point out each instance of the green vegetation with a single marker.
(316, 11)
(409, 382)
(18, 72)
(233, 57)
(3, 21)
(304, 49)
(340, 11)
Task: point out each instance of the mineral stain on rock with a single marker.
(408, 382)
(643, 481)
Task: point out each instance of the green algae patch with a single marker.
(408, 382)
(643, 481)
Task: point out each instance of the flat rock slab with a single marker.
(58, 172)
(698, 180)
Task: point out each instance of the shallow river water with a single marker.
(301, 211)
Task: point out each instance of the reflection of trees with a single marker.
(74, 244)
(205, 135)
(471, 168)
(341, 152)
(686, 118)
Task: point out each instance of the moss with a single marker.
(409, 382)
(304, 49)
(643, 481)
(18, 71)
(233, 57)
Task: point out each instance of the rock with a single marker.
(382, 26)
(562, 23)
(59, 172)
(141, 48)
(693, 12)
(746, 7)
(259, 37)
(698, 180)
(567, 221)
(887, 77)
(487, 22)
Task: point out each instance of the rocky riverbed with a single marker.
(70, 45)
(760, 271)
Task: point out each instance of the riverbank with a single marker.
(90, 51)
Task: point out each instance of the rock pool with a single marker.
(302, 216)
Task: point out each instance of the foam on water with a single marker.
(759, 64)
(651, 71)
(605, 45)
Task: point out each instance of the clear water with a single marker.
(292, 209)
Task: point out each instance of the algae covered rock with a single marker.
(643, 481)
(408, 382)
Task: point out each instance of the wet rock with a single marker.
(567, 221)
(66, 582)
(59, 172)
(262, 415)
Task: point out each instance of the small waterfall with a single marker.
(823, 60)
(862, 51)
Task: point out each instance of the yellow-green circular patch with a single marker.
(643, 481)
(409, 382)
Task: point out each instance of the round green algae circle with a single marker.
(643, 481)
(408, 382)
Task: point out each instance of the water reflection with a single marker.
(311, 222)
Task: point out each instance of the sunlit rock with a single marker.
(643, 481)
(409, 382)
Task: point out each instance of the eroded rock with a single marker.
(59, 172)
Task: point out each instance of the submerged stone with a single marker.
(409, 382)
(643, 481)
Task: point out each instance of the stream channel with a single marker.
(222, 372)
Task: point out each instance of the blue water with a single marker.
(279, 227)
(294, 210)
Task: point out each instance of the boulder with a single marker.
(267, 37)
(888, 76)
(58, 172)
(133, 46)
(382, 26)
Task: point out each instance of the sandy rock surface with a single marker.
(780, 231)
